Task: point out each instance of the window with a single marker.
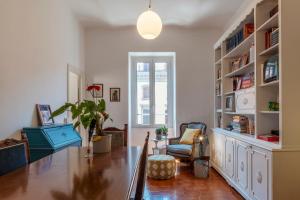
(152, 93)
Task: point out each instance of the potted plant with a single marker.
(162, 131)
(92, 115)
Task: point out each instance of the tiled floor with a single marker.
(186, 187)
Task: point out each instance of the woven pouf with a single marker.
(161, 167)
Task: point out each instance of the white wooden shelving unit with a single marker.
(259, 169)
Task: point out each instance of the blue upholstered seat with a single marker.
(183, 149)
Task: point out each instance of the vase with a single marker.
(103, 145)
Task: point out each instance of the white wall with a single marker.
(38, 39)
(107, 63)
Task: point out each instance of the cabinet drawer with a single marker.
(61, 135)
(260, 173)
(242, 156)
(229, 157)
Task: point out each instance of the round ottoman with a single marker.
(161, 167)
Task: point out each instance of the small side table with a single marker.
(160, 149)
(201, 167)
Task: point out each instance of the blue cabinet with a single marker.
(46, 140)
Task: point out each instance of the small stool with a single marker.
(161, 167)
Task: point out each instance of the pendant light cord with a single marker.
(150, 2)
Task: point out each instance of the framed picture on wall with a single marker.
(44, 114)
(98, 93)
(115, 94)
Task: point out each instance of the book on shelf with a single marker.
(239, 37)
(243, 82)
(269, 138)
(271, 37)
(240, 124)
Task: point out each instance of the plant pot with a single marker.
(103, 145)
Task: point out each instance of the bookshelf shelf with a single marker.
(241, 48)
(219, 62)
(270, 112)
(247, 68)
(270, 23)
(270, 51)
(271, 84)
(229, 93)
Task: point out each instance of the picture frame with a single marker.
(245, 60)
(98, 94)
(115, 94)
(44, 112)
(229, 103)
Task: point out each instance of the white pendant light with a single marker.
(149, 24)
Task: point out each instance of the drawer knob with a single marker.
(242, 166)
(259, 177)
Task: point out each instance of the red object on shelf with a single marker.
(269, 138)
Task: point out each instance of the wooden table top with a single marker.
(68, 175)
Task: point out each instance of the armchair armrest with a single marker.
(174, 140)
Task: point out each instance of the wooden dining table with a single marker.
(70, 175)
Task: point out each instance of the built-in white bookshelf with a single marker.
(257, 168)
(264, 119)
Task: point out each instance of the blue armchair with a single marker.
(189, 152)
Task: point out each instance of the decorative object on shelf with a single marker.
(274, 11)
(115, 94)
(248, 30)
(235, 64)
(271, 69)
(245, 102)
(96, 90)
(44, 115)
(245, 59)
(149, 24)
(273, 106)
(92, 115)
(240, 124)
(229, 103)
(251, 127)
(219, 121)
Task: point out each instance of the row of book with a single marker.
(239, 37)
(271, 37)
(240, 124)
(243, 82)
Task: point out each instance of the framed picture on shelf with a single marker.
(115, 94)
(270, 70)
(44, 114)
(245, 59)
(229, 103)
(96, 93)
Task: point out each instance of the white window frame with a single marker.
(171, 90)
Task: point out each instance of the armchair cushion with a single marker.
(183, 149)
(189, 135)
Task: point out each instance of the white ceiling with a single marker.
(188, 13)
